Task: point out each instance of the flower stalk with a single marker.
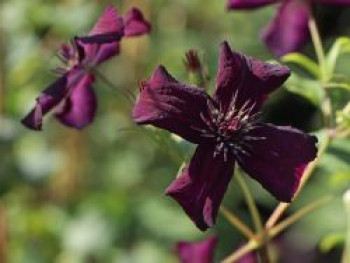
(254, 212)
(316, 40)
(235, 221)
(128, 95)
(260, 240)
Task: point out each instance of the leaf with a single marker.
(307, 88)
(340, 46)
(330, 241)
(304, 62)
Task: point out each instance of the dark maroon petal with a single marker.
(78, 109)
(278, 159)
(249, 78)
(249, 4)
(200, 252)
(202, 185)
(334, 2)
(288, 31)
(167, 104)
(135, 23)
(108, 29)
(48, 99)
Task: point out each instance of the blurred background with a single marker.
(96, 195)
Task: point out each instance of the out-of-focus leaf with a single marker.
(340, 179)
(330, 241)
(343, 117)
(304, 62)
(341, 45)
(307, 88)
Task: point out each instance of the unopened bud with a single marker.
(194, 68)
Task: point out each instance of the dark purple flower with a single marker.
(201, 252)
(288, 31)
(134, 24)
(71, 97)
(227, 129)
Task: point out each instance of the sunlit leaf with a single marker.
(307, 88)
(341, 45)
(304, 62)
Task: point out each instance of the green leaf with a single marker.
(344, 86)
(340, 46)
(304, 62)
(307, 88)
(330, 241)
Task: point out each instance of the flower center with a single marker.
(231, 130)
(70, 56)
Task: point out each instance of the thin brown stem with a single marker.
(297, 216)
(244, 250)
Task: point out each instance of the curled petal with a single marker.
(48, 99)
(78, 109)
(167, 104)
(249, 4)
(109, 22)
(288, 31)
(103, 40)
(200, 252)
(277, 158)
(135, 24)
(202, 185)
(247, 78)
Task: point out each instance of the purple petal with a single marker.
(79, 107)
(167, 104)
(135, 24)
(249, 4)
(108, 29)
(48, 99)
(278, 159)
(202, 185)
(200, 252)
(288, 32)
(334, 2)
(250, 78)
(109, 21)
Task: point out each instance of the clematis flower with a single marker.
(71, 97)
(227, 129)
(288, 31)
(200, 252)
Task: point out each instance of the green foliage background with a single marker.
(97, 195)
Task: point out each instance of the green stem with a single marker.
(254, 212)
(235, 221)
(244, 250)
(316, 40)
(126, 93)
(259, 241)
(282, 207)
(251, 203)
(298, 215)
(325, 76)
